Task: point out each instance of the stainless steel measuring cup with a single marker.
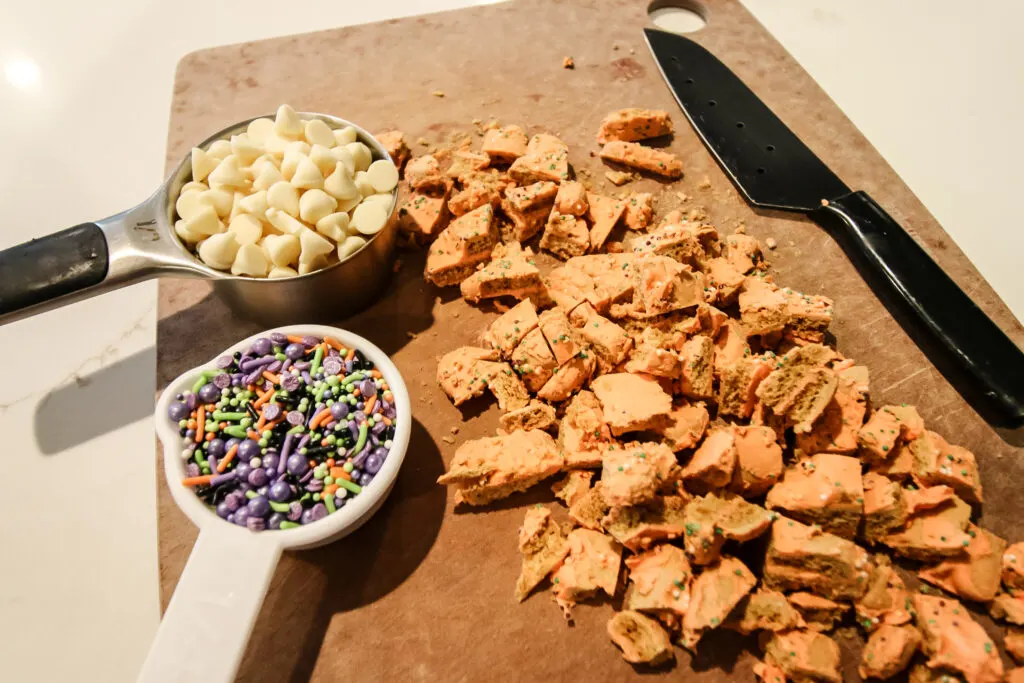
(140, 244)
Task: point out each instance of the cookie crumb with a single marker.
(683, 197)
(618, 178)
(411, 335)
(741, 229)
(705, 184)
(448, 439)
(568, 63)
(438, 93)
(771, 243)
(422, 141)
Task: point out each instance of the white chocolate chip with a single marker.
(282, 250)
(236, 206)
(315, 204)
(369, 218)
(250, 261)
(300, 146)
(204, 222)
(255, 203)
(188, 204)
(322, 157)
(383, 198)
(314, 265)
(382, 175)
(244, 148)
(220, 149)
(349, 204)
(345, 157)
(276, 145)
(366, 188)
(307, 175)
(228, 172)
(287, 124)
(345, 135)
(266, 177)
(350, 246)
(259, 130)
(276, 273)
(292, 157)
(263, 160)
(313, 246)
(340, 184)
(193, 187)
(247, 228)
(182, 231)
(361, 154)
(285, 222)
(202, 164)
(219, 251)
(285, 196)
(220, 199)
(334, 225)
(319, 133)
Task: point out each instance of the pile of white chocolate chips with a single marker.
(688, 405)
(286, 197)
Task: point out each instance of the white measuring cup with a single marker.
(207, 625)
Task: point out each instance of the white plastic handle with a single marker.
(206, 628)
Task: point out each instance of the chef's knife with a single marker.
(773, 169)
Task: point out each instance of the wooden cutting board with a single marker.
(424, 592)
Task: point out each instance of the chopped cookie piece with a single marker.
(661, 580)
(920, 673)
(509, 273)
(634, 474)
(714, 594)
(604, 213)
(422, 217)
(583, 435)
(568, 378)
(508, 388)
(712, 464)
(393, 142)
(711, 520)
(565, 236)
(724, 280)
(544, 544)
(479, 189)
(805, 656)
(424, 173)
(887, 428)
(731, 347)
(573, 487)
(608, 340)
(935, 533)
(762, 307)
(898, 468)
(612, 273)
(631, 125)
(798, 388)
(765, 610)
(820, 614)
(540, 195)
(825, 489)
(1008, 607)
(561, 336)
(590, 509)
(1014, 642)
(886, 600)
(631, 402)
(698, 367)
(639, 210)
(758, 460)
(525, 224)
(677, 242)
(955, 642)
(927, 498)
(647, 359)
(535, 415)
(505, 144)
(643, 158)
(642, 639)
(569, 287)
(533, 361)
(459, 375)
(571, 199)
(1013, 566)
(885, 508)
(511, 327)
(495, 467)
(805, 558)
(684, 426)
(837, 429)
(973, 575)
(546, 158)
(937, 462)
(464, 161)
(638, 526)
(888, 651)
(738, 383)
(1015, 675)
(662, 285)
(593, 564)
(743, 252)
(769, 673)
(465, 243)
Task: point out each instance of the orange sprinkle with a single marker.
(324, 442)
(191, 424)
(330, 462)
(337, 472)
(384, 386)
(344, 475)
(312, 463)
(356, 392)
(388, 396)
(387, 421)
(294, 339)
(271, 425)
(330, 488)
(200, 424)
(351, 354)
(368, 406)
(223, 464)
(209, 436)
(263, 398)
(319, 417)
(197, 481)
(334, 343)
(261, 423)
(276, 379)
(223, 425)
(255, 436)
(375, 374)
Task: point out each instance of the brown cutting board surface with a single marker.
(422, 591)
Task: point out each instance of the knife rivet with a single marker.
(739, 124)
(770, 148)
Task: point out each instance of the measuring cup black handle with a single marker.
(50, 267)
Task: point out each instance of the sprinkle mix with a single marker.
(285, 433)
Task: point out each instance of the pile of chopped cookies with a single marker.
(688, 405)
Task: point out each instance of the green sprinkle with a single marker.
(279, 507)
(329, 502)
(251, 494)
(297, 429)
(228, 417)
(348, 467)
(351, 486)
(318, 357)
(988, 648)
(354, 377)
(289, 525)
(715, 621)
(738, 572)
(328, 480)
(200, 383)
(236, 431)
(210, 374)
(360, 441)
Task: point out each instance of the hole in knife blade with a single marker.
(688, 81)
(739, 124)
(712, 103)
(678, 16)
(761, 171)
(770, 148)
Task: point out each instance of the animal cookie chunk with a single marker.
(954, 642)
(888, 651)
(511, 327)
(804, 656)
(642, 639)
(544, 545)
(468, 241)
(644, 158)
(801, 557)
(660, 579)
(631, 402)
(825, 489)
(714, 594)
(593, 564)
(510, 273)
(632, 125)
(460, 374)
(634, 473)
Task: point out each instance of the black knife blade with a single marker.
(773, 168)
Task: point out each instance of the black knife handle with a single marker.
(984, 365)
(42, 269)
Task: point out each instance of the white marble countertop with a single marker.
(84, 103)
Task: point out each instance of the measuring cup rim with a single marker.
(171, 189)
(349, 517)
